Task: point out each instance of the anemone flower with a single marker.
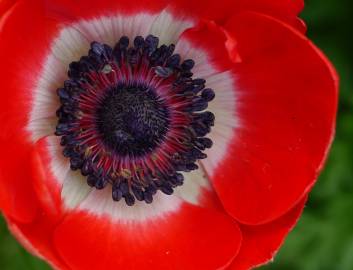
(159, 134)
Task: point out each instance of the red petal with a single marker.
(190, 238)
(44, 179)
(289, 7)
(67, 10)
(37, 239)
(5, 6)
(17, 198)
(286, 10)
(260, 243)
(287, 102)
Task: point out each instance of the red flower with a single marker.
(129, 120)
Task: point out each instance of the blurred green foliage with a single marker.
(323, 239)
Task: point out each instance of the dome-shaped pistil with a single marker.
(132, 120)
(134, 117)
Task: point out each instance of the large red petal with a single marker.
(20, 56)
(286, 104)
(190, 238)
(260, 243)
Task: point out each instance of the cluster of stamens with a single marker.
(133, 117)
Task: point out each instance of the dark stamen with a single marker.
(132, 116)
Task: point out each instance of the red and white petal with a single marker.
(260, 243)
(227, 120)
(189, 238)
(206, 44)
(58, 188)
(74, 190)
(195, 187)
(168, 28)
(43, 120)
(100, 203)
(286, 103)
(109, 29)
(196, 190)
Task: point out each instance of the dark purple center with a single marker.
(132, 120)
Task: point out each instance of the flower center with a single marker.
(132, 120)
(133, 117)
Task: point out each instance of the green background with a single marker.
(323, 239)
